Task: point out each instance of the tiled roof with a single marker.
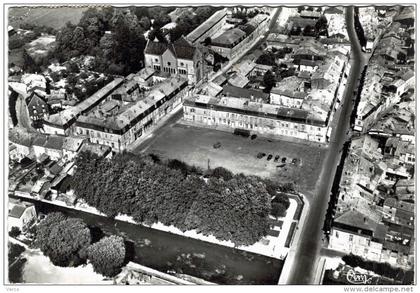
(207, 25)
(155, 48)
(229, 37)
(358, 220)
(17, 211)
(181, 48)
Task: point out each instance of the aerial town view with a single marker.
(231, 145)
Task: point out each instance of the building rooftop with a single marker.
(17, 211)
(357, 220)
(229, 38)
(67, 116)
(125, 114)
(205, 26)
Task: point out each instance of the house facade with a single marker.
(239, 113)
(21, 215)
(178, 58)
(355, 233)
(121, 129)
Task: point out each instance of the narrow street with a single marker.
(307, 253)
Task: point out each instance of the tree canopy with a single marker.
(235, 209)
(107, 255)
(64, 240)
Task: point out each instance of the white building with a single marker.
(355, 233)
(21, 215)
(118, 124)
(256, 117)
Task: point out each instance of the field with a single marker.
(55, 17)
(298, 162)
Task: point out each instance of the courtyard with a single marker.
(283, 161)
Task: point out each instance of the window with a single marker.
(192, 110)
(156, 60)
(181, 64)
(169, 63)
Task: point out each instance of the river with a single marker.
(165, 251)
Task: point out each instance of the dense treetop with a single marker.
(235, 209)
(64, 240)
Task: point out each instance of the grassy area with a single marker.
(55, 17)
(238, 154)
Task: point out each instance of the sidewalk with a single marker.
(288, 264)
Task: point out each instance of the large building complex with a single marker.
(300, 105)
(208, 28)
(127, 114)
(232, 113)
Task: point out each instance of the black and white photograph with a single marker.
(154, 144)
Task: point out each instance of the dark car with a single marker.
(276, 158)
(269, 157)
(260, 155)
(217, 145)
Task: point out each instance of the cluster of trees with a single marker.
(15, 257)
(230, 207)
(319, 29)
(118, 52)
(380, 268)
(68, 242)
(269, 80)
(17, 41)
(14, 232)
(64, 240)
(107, 255)
(270, 57)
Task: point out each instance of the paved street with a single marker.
(142, 144)
(308, 248)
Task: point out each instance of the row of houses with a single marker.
(116, 124)
(390, 76)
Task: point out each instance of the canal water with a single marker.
(169, 252)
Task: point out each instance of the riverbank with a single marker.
(271, 246)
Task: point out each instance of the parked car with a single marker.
(269, 157)
(260, 155)
(276, 158)
(217, 145)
